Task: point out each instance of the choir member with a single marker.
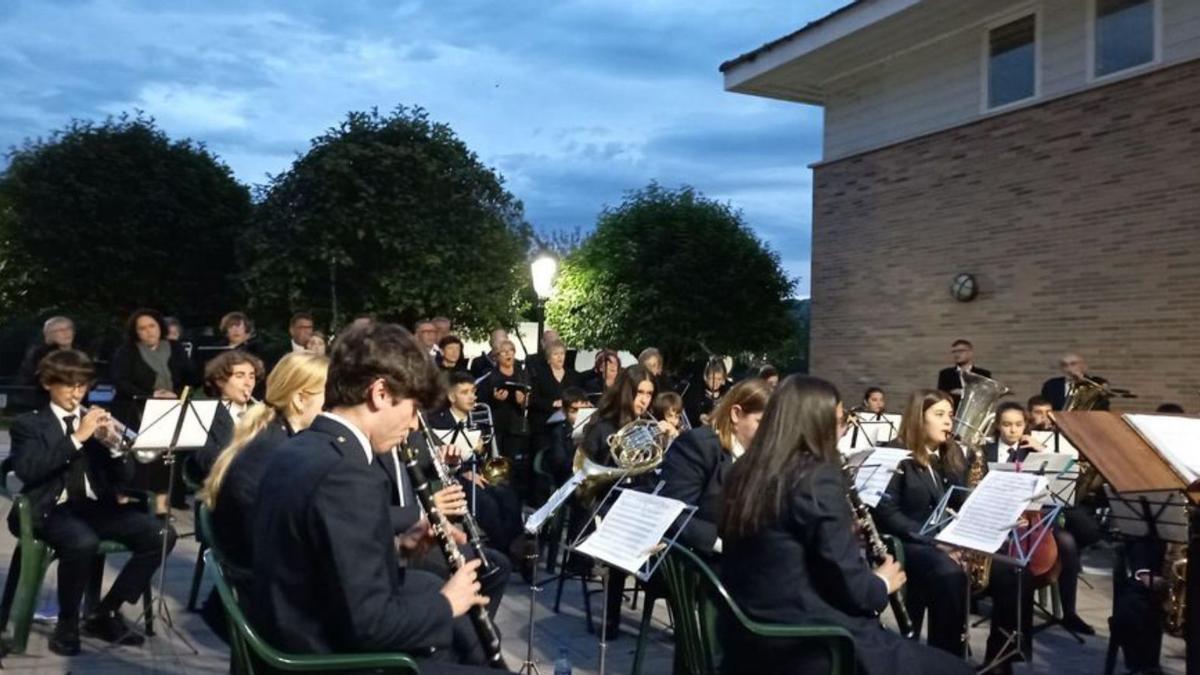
(549, 380)
(561, 449)
(450, 356)
(506, 390)
(326, 574)
(484, 363)
(697, 467)
(652, 359)
(231, 377)
(443, 327)
(604, 373)
(1057, 390)
(71, 474)
(950, 379)
(148, 366)
(427, 335)
(791, 555)
(58, 332)
(300, 329)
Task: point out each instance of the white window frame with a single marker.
(986, 57)
(1156, 8)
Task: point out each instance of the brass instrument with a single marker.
(496, 469)
(972, 422)
(119, 438)
(1086, 394)
(635, 449)
(1175, 571)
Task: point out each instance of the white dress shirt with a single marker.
(60, 414)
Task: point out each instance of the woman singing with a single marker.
(696, 468)
(791, 554)
(506, 391)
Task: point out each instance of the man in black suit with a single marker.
(326, 574)
(950, 379)
(1058, 390)
(1137, 613)
(71, 480)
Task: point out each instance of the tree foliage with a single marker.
(393, 215)
(675, 270)
(103, 217)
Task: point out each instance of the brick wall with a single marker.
(1079, 217)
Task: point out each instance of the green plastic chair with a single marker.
(249, 653)
(31, 559)
(697, 598)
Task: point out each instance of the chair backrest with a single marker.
(692, 592)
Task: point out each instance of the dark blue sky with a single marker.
(573, 102)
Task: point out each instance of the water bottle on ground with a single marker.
(562, 665)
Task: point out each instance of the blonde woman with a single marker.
(295, 395)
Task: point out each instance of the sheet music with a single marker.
(538, 518)
(581, 419)
(1176, 438)
(876, 472)
(1167, 509)
(992, 510)
(160, 417)
(465, 440)
(631, 531)
(1055, 442)
(1057, 468)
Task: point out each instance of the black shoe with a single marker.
(65, 641)
(111, 627)
(1073, 623)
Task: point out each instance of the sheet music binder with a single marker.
(666, 542)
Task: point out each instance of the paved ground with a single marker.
(1055, 651)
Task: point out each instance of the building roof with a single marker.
(751, 55)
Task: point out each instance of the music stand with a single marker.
(653, 557)
(150, 438)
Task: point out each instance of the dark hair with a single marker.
(458, 377)
(666, 402)
(1010, 405)
(298, 316)
(450, 340)
(65, 366)
(869, 391)
(965, 343)
(912, 429)
(380, 351)
(131, 324)
(750, 395)
(234, 318)
(767, 371)
(1036, 401)
(799, 430)
(220, 368)
(573, 395)
(616, 405)
(1170, 409)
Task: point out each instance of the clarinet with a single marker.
(474, 534)
(489, 637)
(876, 552)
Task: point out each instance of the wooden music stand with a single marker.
(1130, 464)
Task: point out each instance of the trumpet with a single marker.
(111, 433)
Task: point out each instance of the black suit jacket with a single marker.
(234, 509)
(326, 576)
(482, 365)
(133, 380)
(911, 497)
(807, 568)
(991, 452)
(694, 472)
(1055, 391)
(220, 434)
(42, 455)
(547, 390)
(403, 515)
(948, 379)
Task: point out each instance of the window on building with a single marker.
(1012, 62)
(1124, 32)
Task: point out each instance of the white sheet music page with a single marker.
(1176, 438)
(465, 439)
(631, 531)
(876, 472)
(992, 510)
(160, 417)
(537, 518)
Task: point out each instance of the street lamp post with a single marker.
(542, 269)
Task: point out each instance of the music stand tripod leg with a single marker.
(530, 666)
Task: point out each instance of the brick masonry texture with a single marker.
(1079, 217)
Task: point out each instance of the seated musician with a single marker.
(791, 554)
(628, 400)
(1058, 390)
(769, 374)
(1039, 414)
(561, 449)
(496, 507)
(874, 402)
(71, 476)
(700, 401)
(1138, 603)
(668, 410)
(231, 376)
(326, 576)
(1013, 445)
(696, 468)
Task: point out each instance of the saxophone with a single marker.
(489, 636)
(876, 552)
(978, 566)
(1175, 570)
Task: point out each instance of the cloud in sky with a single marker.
(575, 102)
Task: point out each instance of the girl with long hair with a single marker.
(790, 552)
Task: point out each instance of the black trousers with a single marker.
(466, 652)
(938, 584)
(1072, 566)
(516, 448)
(492, 586)
(75, 529)
(498, 511)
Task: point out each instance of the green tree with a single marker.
(393, 215)
(675, 270)
(101, 218)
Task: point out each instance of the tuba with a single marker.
(635, 449)
(972, 422)
(1086, 394)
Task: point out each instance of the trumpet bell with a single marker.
(497, 470)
